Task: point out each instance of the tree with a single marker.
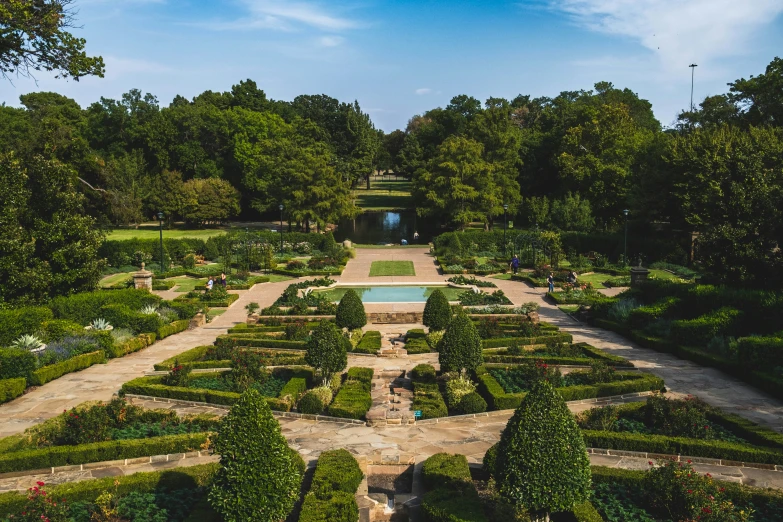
(573, 213)
(542, 463)
(437, 311)
(32, 36)
(327, 350)
(258, 478)
(48, 247)
(759, 97)
(350, 311)
(126, 183)
(460, 348)
(209, 200)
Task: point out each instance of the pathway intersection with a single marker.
(391, 443)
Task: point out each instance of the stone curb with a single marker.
(152, 459)
(284, 414)
(598, 400)
(684, 458)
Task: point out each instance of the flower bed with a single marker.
(205, 357)
(680, 427)
(102, 432)
(499, 399)
(504, 342)
(577, 354)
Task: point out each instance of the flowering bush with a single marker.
(295, 265)
(677, 492)
(456, 389)
(177, 376)
(41, 507)
(678, 417)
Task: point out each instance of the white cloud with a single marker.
(423, 90)
(679, 31)
(285, 15)
(330, 41)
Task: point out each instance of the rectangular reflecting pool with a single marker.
(391, 294)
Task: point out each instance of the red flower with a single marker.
(650, 462)
(40, 483)
(689, 461)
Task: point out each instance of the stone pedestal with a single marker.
(142, 278)
(638, 275)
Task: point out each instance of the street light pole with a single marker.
(693, 70)
(281, 228)
(247, 249)
(625, 248)
(505, 221)
(160, 220)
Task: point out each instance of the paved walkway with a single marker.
(101, 381)
(358, 269)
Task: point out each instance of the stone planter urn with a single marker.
(142, 279)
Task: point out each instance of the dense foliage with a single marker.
(542, 463)
(327, 350)
(437, 311)
(350, 311)
(258, 476)
(460, 347)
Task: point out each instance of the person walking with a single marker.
(415, 237)
(551, 281)
(210, 283)
(223, 280)
(514, 264)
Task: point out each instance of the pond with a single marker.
(392, 294)
(388, 227)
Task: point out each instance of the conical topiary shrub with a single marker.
(460, 348)
(542, 463)
(258, 477)
(437, 311)
(350, 311)
(327, 350)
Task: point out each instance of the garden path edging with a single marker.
(684, 458)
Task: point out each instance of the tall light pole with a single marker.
(281, 228)
(693, 70)
(625, 249)
(505, 222)
(247, 248)
(160, 220)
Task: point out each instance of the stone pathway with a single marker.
(101, 381)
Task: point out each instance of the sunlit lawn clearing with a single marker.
(113, 279)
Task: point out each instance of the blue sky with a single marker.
(403, 57)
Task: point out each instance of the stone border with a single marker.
(684, 458)
(153, 459)
(284, 414)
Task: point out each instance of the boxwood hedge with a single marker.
(49, 373)
(503, 342)
(12, 388)
(451, 496)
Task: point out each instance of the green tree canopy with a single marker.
(460, 347)
(350, 311)
(33, 38)
(258, 478)
(327, 350)
(542, 463)
(437, 311)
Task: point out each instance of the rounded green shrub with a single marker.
(437, 311)
(423, 373)
(350, 311)
(315, 401)
(472, 403)
(490, 458)
(327, 350)
(258, 478)
(542, 462)
(460, 348)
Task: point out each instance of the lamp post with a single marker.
(693, 70)
(160, 221)
(281, 228)
(625, 248)
(247, 249)
(505, 222)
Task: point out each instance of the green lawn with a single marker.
(214, 312)
(187, 284)
(335, 294)
(392, 268)
(276, 278)
(384, 195)
(597, 279)
(113, 279)
(569, 309)
(662, 274)
(503, 277)
(154, 233)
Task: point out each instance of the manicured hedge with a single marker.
(100, 451)
(594, 354)
(415, 333)
(12, 388)
(502, 342)
(16, 363)
(451, 496)
(714, 449)
(215, 303)
(370, 343)
(190, 477)
(498, 399)
(750, 431)
(20, 321)
(694, 332)
(49, 373)
(84, 307)
(305, 273)
(417, 345)
(332, 495)
(428, 399)
(641, 317)
(188, 356)
(154, 387)
(353, 401)
(173, 328)
(294, 388)
(423, 373)
(131, 345)
(760, 352)
(231, 341)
